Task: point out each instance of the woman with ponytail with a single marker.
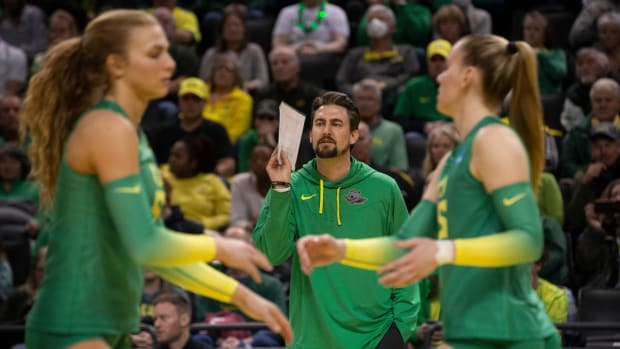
(478, 219)
(98, 176)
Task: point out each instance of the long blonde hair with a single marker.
(73, 78)
(511, 66)
(448, 130)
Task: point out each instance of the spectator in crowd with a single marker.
(270, 288)
(478, 20)
(24, 26)
(10, 108)
(62, 26)
(608, 26)
(288, 87)
(389, 149)
(449, 23)
(590, 66)
(555, 269)
(362, 150)
(416, 107)
(441, 140)
(14, 171)
(226, 102)
(596, 253)
(248, 189)
(584, 30)
(330, 194)
(201, 194)
(215, 9)
(549, 198)
(558, 301)
(189, 122)
(590, 181)
(232, 38)
(605, 100)
(184, 56)
(265, 132)
(311, 27)
(187, 30)
(413, 23)
(391, 65)
(172, 315)
(552, 67)
(14, 66)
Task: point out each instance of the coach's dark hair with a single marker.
(73, 78)
(504, 67)
(341, 99)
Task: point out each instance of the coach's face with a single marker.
(331, 134)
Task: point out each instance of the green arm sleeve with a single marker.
(274, 234)
(375, 252)
(201, 279)
(150, 244)
(521, 242)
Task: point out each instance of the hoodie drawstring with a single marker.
(338, 206)
(321, 197)
(321, 190)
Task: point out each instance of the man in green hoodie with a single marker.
(336, 307)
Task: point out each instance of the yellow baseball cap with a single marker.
(194, 86)
(439, 47)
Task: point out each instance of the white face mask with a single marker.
(376, 28)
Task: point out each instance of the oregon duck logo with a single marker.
(354, 197)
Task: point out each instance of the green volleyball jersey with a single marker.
(477, 302)
(91, 283)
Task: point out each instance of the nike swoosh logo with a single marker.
(129, 190)
(304, 197)
(512, 200)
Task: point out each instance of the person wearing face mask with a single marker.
(391, 65)
(413, 23)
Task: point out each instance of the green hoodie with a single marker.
(338, 306)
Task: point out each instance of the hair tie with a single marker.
(512, 48)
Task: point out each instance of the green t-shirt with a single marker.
(419, 101)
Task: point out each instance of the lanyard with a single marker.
(319, 17)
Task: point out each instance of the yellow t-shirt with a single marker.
(555, 300)
(203, 198)
(187, 20)
(233, 111)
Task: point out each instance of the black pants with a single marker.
(392, 339)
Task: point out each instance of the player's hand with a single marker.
(240, 255)
(262, 310)
(319, 250)
(413, 266)
(279, 171)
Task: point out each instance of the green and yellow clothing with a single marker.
(576, 149)
(555, 300)
(101, 238)
(495, 240)
(418, 101)
(337, 307)
(203, 198)
(549, 198)
(233, 111)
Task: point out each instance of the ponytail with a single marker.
(507, 66)
(65, 87)
(525, 111)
